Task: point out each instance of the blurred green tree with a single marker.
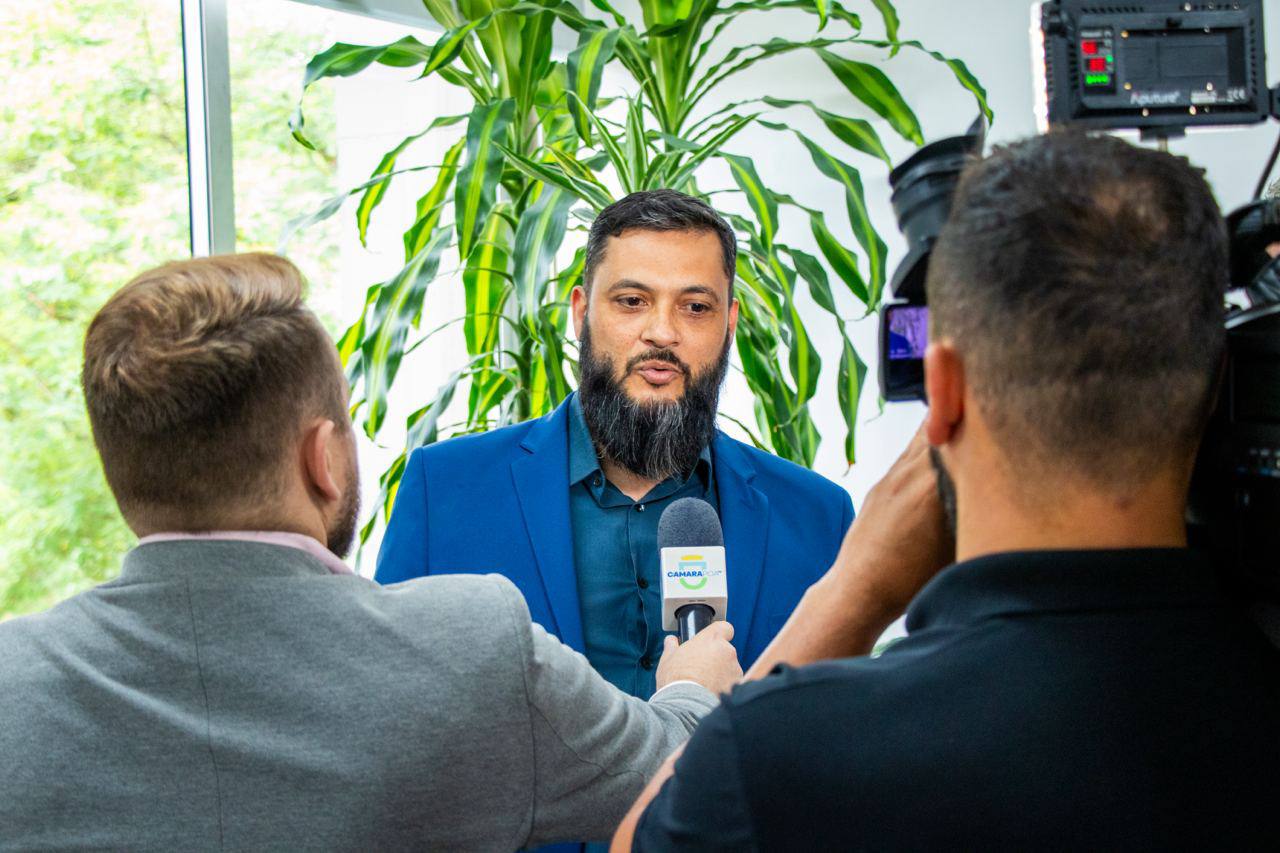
(93, 191)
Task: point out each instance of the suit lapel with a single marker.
(541, 476)
(744, 513)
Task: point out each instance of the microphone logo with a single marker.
(692, 571)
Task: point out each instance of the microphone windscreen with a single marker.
(689, 523)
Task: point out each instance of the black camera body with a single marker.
(923, 186)
(1234, 504)
(1167, 66)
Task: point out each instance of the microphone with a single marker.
(691, 545)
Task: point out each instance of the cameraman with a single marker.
(1076, 679)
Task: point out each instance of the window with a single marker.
(93, 190)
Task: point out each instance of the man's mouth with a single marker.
(658, 373)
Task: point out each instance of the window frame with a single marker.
(206, 66)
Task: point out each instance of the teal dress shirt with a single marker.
(615, 552)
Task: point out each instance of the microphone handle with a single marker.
(692, 618)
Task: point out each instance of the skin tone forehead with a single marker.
(686, 260)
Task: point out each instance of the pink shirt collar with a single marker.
(265, 537)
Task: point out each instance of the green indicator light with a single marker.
(1097, 79)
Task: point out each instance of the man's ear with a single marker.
(320, 455)
(733, 317)
(578, 303)
(945, 388)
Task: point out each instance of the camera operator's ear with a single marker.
(944, 385)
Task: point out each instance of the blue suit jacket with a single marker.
(499, 502)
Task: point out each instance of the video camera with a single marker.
(1158, 67)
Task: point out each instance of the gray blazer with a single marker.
(234, 695)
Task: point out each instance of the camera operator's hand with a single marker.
(707, 658)
(899, 540)
(897, 543)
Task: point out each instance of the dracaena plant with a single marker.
(544, 149)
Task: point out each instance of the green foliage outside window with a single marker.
(93, 189)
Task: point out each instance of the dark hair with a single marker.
(1082, 280)
(658, 210)
(197, 377)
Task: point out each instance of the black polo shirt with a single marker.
(1043, 700)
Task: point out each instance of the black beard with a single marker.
(946, 489)
(342, 535)
(654, 440)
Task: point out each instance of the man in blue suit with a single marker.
(567, 506)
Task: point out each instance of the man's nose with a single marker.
(660, 331)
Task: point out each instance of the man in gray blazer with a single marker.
(232, 688)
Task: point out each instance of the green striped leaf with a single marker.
(399, 304)
(332, 206)
(856, 205)
(343, 60)
(586, 68)
(890, 17)
(538, 236)
(553, 175)
(349, 343)
(477, 184)
(431, 205)
(961, 71)
(816, 277)
(636, 143)
(424, 424)
(849, 381)
(822, 13)
(833, 10)
(448, 47)
(609, 142)
(388, 486)
(843, 262)
(758, 196)
(373, 195)
(535, 59)
(583, 173)
(487, 284)
(852, 370)
(705, 151)
(605, 6)
(803, 358)
(855, 132)
(870, 85)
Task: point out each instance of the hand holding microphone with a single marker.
(694, 597)
(694, 589)
(708, 658)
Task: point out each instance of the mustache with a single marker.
(664, 355)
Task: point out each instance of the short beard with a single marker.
(946, 489)
(342, 535)
(654, 440)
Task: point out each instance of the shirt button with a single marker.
(639, 507)
(646, 662)
(599, 482)
(644, 584)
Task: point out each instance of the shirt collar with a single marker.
(266, 537)
(1056, 581)
(583, 460)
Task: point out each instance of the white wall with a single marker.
(377, 108)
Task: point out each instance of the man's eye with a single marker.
(630, 301)
(699, 307)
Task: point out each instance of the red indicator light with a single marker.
(1097, 63)
(1089, 47)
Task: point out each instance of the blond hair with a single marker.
(198, 376)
